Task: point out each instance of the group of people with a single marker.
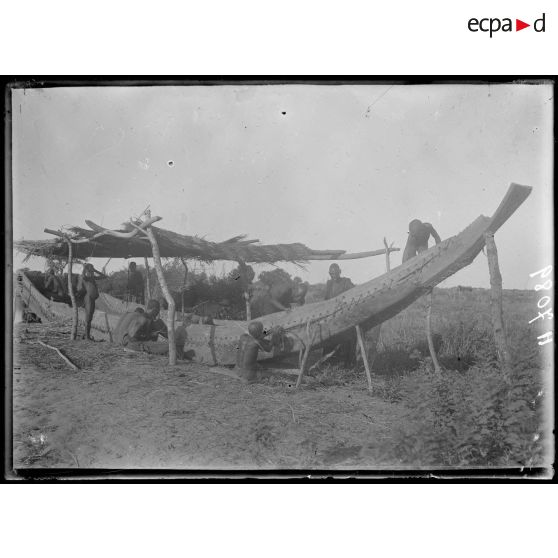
(84, 287)
(342, 348)
(141, 329)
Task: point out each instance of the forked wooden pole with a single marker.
(73, 335)
(504, 356)
(166, 292)
(364, 356)
(388, 251)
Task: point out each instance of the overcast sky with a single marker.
(333, 167)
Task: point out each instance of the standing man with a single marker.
(87, 288)
(135, 284)
(346, 352)
(419, 234)
(337, 284)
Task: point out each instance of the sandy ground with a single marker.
(131, 410)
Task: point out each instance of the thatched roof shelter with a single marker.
(173, 245)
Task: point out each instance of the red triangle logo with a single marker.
(519, 25)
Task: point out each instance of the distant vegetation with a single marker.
(221, 297)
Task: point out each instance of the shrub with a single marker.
(471, 419)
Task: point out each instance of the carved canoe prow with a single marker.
(367, 305)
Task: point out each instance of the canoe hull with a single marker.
(366, 305)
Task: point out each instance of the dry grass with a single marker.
(131, 410)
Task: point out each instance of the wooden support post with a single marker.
(246, 292)
(166, 292)
(73, 336)
(388, 250)
(369, 357)
(437, 367)
(184, 283)
(108, 327)
(310, 337)
(364, 356)
(502, 348)
(147, 281)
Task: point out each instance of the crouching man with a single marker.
(139, 331)
(249, 346)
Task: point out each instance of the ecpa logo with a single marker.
(494, 24)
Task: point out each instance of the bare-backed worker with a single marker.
(417, 241)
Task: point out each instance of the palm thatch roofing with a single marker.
(171, 245)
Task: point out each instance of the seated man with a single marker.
(140, 329)
(250, 344)
(417, 242)
(337, 284)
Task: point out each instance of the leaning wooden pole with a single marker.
(504, 356)
(147, 281)
(167, 294)
(433, 355)
(71, 292)
(364, 356)
(310, 337)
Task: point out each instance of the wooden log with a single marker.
(101, 231)
(166, 292)
(354, 256)
(73, 335)
(504, 356)
(433, 355)
(62, 356)
(56, 233)
(364, 356)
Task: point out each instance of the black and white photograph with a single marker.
(281, 277)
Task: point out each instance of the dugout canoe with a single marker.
(366, 305)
